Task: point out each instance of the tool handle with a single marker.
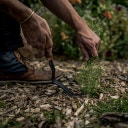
(69, 92)
(51, 64)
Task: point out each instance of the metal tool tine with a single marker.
(68, 91)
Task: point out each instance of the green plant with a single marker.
(11, 124)
(121, 2)
(89, 78)
(121, 48)
(3, 104)
(51, 116)
(112, 105)
(108, 19)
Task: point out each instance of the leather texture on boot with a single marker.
(30, 76)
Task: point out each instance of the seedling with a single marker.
(89, 78)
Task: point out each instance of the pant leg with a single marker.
(9, 63)
(10, 38)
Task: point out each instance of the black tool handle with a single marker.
(65, 89)
(52, 68)
(69, 92)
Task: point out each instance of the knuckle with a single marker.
(48, 33)
(44, 21)
(45, 33)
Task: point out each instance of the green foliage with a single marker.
(109, 20)
(3, 104)
(121, 2)
(121, 48)
(89, 78)
(11, 124)
(64, 40)
(112, 105)
(51, 116)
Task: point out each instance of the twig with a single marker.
(81, 108)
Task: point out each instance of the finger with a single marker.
(85, 53)
(97, 43)
(94, 52)
(48, 53)
(97, 46)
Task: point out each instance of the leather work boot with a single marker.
(27, 75)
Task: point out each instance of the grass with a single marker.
(112, 105)
(11, 124)
(89, 78)
(51, 116)
(3, 104)
(89, 81)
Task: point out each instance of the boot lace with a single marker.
(24, 59)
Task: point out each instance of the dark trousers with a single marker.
(10, 40)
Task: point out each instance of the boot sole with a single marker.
(30, 82)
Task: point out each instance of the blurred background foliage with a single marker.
(109, 19)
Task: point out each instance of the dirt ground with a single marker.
(47, 106)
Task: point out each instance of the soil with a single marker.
(47, 106)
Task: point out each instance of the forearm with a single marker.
(15, 8)
(64, 10)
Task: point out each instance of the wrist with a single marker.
(27, 18)
(80, 25)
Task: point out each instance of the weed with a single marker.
(2, 104)
(51, 116)
(11, 124)
(89, 78)
(112, 105)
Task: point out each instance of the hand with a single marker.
(38, 35)
(88, 42)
